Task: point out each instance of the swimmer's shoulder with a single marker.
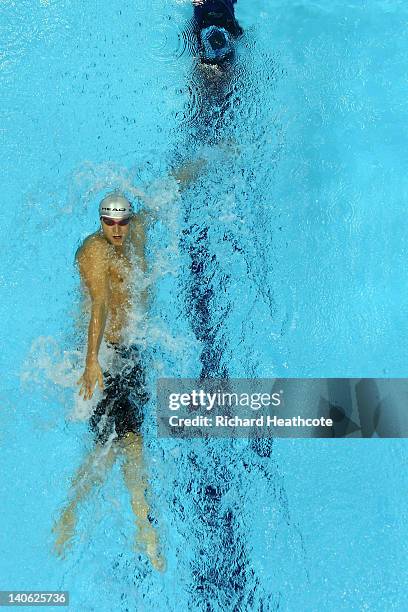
(138, 224)
(138, 218)
(94, 249)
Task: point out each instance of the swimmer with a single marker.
(211, 35)
(215, 27)
(105, 267)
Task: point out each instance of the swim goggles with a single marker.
(109, 221)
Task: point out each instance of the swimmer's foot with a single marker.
(64, 531)
(147, 541)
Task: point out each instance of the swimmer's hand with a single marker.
(92, 375)
(189, 172)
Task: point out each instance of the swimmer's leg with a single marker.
(91, 474)
(136, 482)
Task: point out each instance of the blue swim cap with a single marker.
(216, 43)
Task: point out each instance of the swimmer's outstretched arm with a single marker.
(184, 175)
(138, 226)
(188, 172)
(92, 267)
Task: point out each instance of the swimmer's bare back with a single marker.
(105, 270)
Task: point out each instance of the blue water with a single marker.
(286, 258)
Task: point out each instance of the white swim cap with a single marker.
(115, 206)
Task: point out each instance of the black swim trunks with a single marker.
(121, 409)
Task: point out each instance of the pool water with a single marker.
(285, 258)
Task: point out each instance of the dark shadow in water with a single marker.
(222, 575)
(213, 85)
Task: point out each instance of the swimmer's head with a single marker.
(115, 212)
(216, 44)
(115, 206)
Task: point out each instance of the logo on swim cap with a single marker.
(115, 206)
